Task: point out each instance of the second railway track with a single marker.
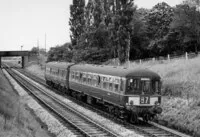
(83, 126)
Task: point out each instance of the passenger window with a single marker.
(89, 79)
(84, 78)
(110, 86)
(105, 85)
(77, 76)
(116, 87)
(80, 77)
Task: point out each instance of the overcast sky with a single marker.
(23, 22)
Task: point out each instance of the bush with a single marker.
(6, 107)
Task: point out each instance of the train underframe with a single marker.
(129, 113)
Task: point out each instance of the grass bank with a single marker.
(15, 117)
(181, 90)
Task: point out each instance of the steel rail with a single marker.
(150, 129)
(80, 126)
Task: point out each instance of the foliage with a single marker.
(77, 20)
(159, 19)
(60, 53)
(36, 51)
(6, 107)
(105, 29)
(125, 14)
(186, 23)
(139, 38)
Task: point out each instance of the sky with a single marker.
(24, 23)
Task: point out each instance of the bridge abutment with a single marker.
(24, 61)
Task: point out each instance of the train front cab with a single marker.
(142, 97)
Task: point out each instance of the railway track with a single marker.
(78, 123)
(150, 129)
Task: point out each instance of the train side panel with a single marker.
(96, 92)
(58, 74)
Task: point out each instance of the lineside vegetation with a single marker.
(181, 101)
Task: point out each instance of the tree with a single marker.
(195, 4)
(139, 39)
(159, 19)
(35, 50)
(61, 53)
(186, 23)
(77, 20)
(125, 10)
(95, 36)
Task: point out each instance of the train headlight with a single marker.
(131, 103)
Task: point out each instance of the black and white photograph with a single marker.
(100, 68)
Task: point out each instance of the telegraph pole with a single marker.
(38, 47)
(38, 50)
(45, 42)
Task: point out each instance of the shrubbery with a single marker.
(7, 104)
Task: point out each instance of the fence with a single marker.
(186, 56)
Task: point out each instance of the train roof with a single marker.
(106, 70)
(62, 65)
(115, 71)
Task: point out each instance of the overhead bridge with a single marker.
(23, 54)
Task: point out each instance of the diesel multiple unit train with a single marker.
(124, 92)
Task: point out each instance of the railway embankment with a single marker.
(46, 121)
(16, 119)
(181, 90)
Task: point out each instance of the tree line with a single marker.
(106, 29)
